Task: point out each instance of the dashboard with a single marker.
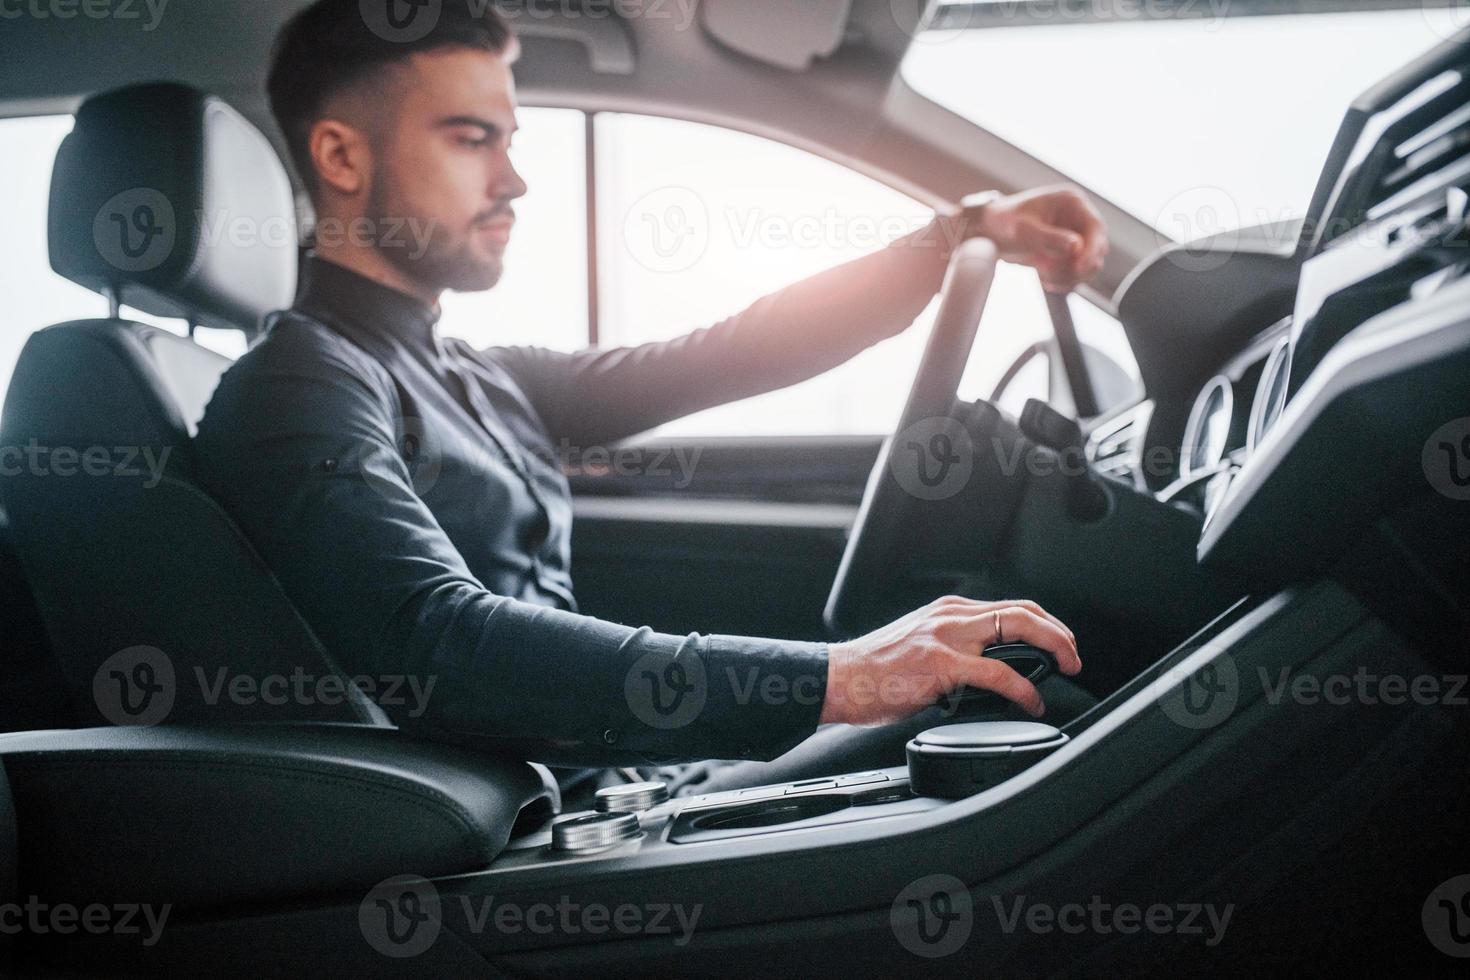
(1284, 345)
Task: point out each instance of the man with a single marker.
(404, 486)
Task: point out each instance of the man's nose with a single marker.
(510, 185)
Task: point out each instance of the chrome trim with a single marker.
(631, 797)
(593, 831)
(1196, 421)
(1278, 365)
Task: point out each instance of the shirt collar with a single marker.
(367, 304)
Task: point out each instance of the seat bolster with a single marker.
(200, 818)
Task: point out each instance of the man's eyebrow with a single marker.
(490, 127)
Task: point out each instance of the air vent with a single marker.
(1430, 154)
(1113, 446)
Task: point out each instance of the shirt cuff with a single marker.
(721, 697)
(766, 696)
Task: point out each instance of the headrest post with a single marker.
(114, 305)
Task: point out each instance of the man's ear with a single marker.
(341, 155)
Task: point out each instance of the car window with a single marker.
(697, 222)
(1017, 320)
(1196, 125)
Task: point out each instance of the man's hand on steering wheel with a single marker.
(906, 666)
(1055, 230)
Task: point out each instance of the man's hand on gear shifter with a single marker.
(904, 667)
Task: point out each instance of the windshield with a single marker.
(1194, 126)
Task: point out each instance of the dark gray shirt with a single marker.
(406, 490)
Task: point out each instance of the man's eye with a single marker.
(473, 142)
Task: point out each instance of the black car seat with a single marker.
(168, 200)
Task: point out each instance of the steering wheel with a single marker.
(931, 455)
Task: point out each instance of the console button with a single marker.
(593, 831)
(631, 797)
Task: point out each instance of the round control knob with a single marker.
(631, 797)
(952, 761)
(593, 831)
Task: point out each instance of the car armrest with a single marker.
(204, 817)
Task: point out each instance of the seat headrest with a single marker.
(172, 201)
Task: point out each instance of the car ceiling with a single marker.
(849, 104)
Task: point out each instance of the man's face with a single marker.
(442, 162)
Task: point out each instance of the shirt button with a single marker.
(610, 737)
(330, 465)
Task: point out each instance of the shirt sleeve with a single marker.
(299, 446)
(596, 397)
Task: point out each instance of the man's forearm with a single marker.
(820, 322)
(786, 337)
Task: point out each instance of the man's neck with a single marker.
(367, 263)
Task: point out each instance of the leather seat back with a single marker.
(9, 863)
(130, 562)
(32, 696)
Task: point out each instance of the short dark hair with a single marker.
(336, 44)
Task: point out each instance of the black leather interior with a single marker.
(173, 200)
(9, 856)
(9, 859)
(204, 817)
(135, 554)
(31, 693)
(144, 557)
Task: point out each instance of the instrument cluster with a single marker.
(1232, 415)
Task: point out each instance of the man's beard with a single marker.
(447, 265)
(430, 256)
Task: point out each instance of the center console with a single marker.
(953, 770)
